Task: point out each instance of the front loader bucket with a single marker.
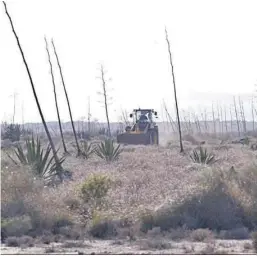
(133, 138)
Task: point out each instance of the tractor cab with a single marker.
(143, 118)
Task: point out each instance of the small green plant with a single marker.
(95, 188)
(202, 156)
(106, 150)
(87, 149)
(37, 158)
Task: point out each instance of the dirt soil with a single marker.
(142, 246)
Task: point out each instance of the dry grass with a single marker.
(175, 194)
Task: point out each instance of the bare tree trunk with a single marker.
(242, 114)
(218, 112)
(214, 121)
(89, 116)
(225, 116)
(221, 120)
(14, 107)
(231, 119)
(206, 121)
(175, 94)
(237, 121)
(22, 116)
(105, 100)
(56, 158)
(253, 115)
(169, 117)
(67, 98)
(55, 99)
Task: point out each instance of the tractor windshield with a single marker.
(143, 116)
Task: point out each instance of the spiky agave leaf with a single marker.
(87, 149)
(106, 150)
(37, 158)
(202, 156)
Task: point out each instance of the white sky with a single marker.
(213, 43)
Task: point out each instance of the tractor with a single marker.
(144, 131)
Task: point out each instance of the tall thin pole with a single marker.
(67, 98)
(175, 93)
(57, 161)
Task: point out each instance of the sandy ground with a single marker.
(142, 246)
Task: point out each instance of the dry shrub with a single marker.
(200, 235)
(71, 244)
(192, 139)
(254, 237)
(27, 240)
(248, 246)
(27, 207)
(102, 227)
(155, 244)
(13, 241)
(223, 202)
(235, 233)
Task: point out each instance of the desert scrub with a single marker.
(102, 227)
(11, 132)
(95, 188)
(202, 156)
(28, 207)
(107, 151)
(254, 237)
(217, 205)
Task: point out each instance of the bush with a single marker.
(155, 244)
(200, 235)
(220, 204)
(27, 208)
(254, 237)
(13, 241)
(17, 226)
(236, 233)
(102, 228)
(11, 132)
(95, 188)
(202, 156)
(106, 150)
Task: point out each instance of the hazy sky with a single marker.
(213, 44)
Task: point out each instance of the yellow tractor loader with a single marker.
(144, 130)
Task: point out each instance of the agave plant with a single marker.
(34, 156)
(106, 150)
(87, 149)
(202, 156)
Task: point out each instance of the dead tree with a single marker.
(55, 98)
(231, 118)
(225, 118)
(169, 117)
(214, 121)
(106, 103)
(175, 93)
(67, 98)
(241, 105)
(237, 120)
(59, 168)
(89, 116)
(253, 114)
